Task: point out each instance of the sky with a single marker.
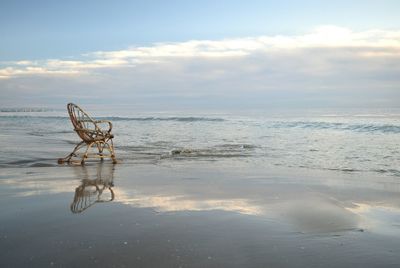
(200, 54)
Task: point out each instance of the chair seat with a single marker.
(103, 137)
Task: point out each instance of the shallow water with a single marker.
(363, 143)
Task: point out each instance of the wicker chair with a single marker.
(91, 134)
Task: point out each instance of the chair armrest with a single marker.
(104, 122)
(89, 131)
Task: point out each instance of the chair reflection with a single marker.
(96, 186)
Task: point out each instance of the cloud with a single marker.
(330, 63)
(177, 203)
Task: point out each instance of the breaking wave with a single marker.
(174, 118)
(25, 110)
(384, 128)
(116, 118)
(164, 152)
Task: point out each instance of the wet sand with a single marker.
(196, 215)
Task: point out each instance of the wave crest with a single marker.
(173, 118)
(384, 128)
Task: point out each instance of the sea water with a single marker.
(347, 142)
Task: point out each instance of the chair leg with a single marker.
(114, 160)
(110, 147)
(85, 155)
(100, 147)
(69, 157)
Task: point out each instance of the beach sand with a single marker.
(196, 215)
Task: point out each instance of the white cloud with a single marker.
(329, 59)
(387, 43)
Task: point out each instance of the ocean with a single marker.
(361, 143)
(203, 189)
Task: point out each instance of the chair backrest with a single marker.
(81, 122)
